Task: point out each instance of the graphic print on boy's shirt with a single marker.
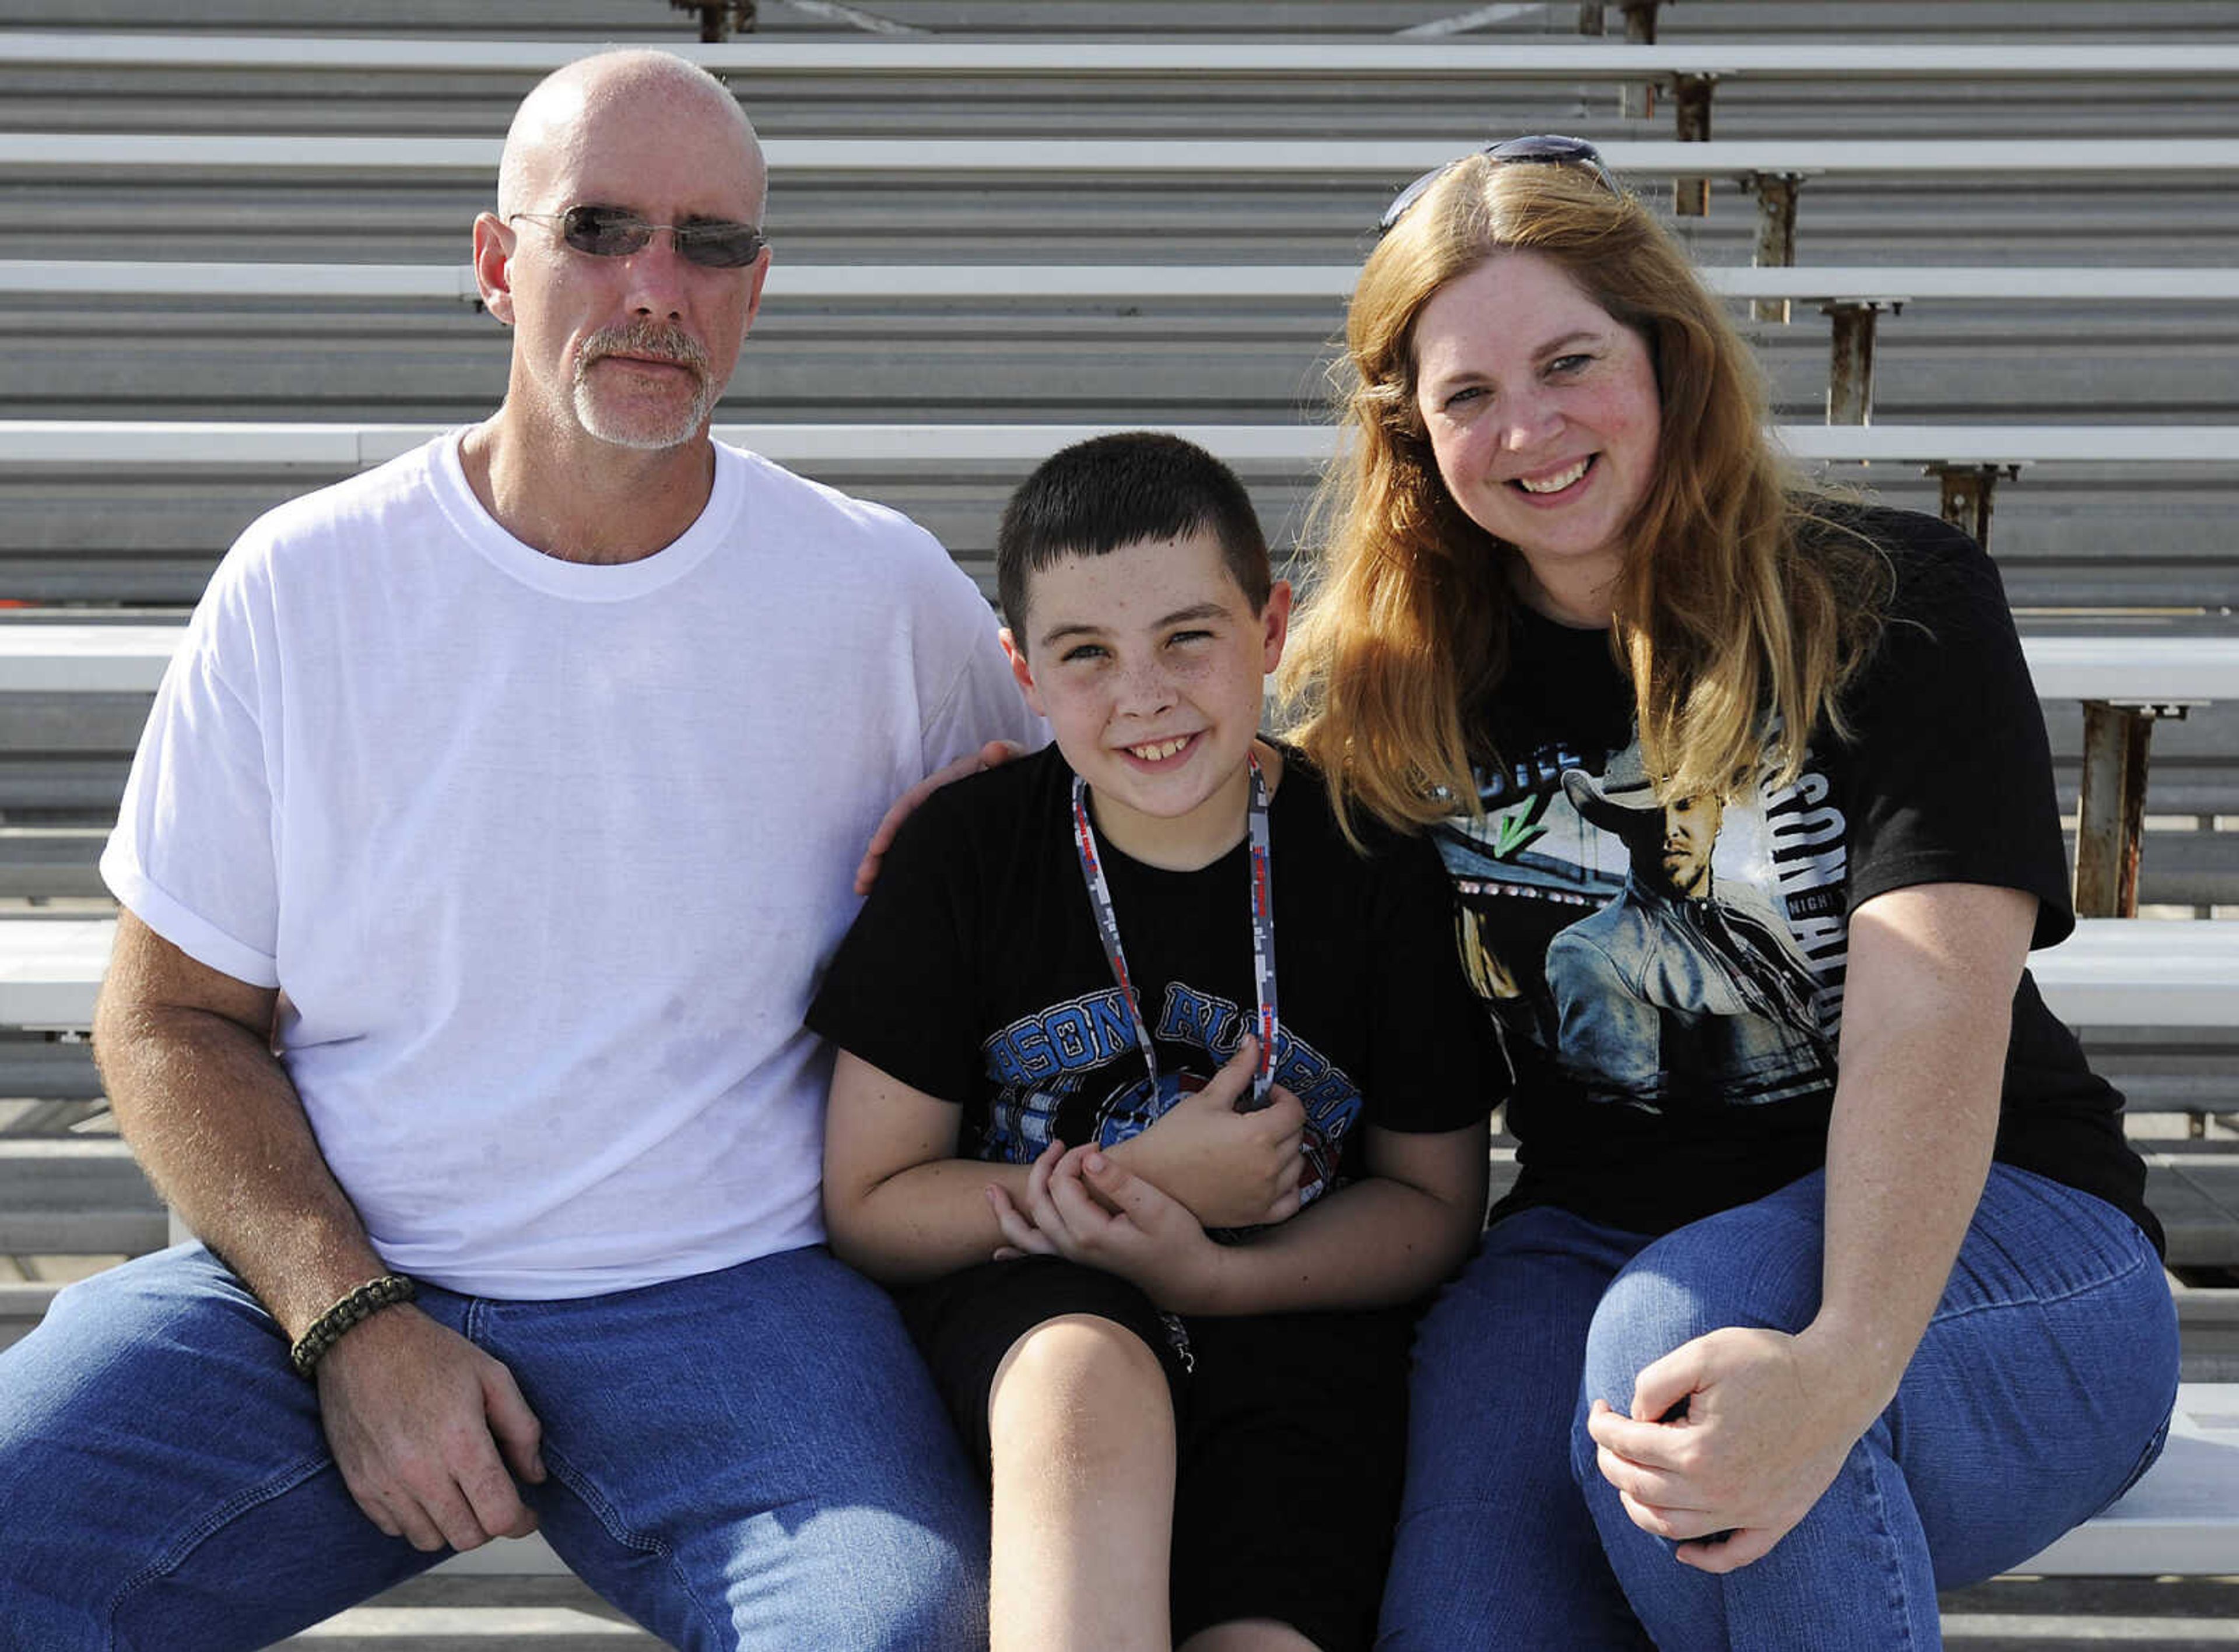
(1667, 958)
(1073, 1072)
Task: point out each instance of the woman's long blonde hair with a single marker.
(1740, 611)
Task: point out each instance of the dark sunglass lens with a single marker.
(1551, 148)
(1554, 150)
(604, 232)
(1408, 196)
(1544, 148)
(719, 246)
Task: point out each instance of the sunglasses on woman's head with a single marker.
(616, 232)
(1544, 149)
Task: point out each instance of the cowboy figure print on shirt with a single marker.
(1689, 952)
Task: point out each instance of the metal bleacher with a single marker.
(1244, 269)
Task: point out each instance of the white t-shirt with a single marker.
(546, 858)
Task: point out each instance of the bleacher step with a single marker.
(2196, 1197)
(369, 1628)
(450, 1610)
(75, 1195)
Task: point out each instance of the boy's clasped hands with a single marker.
(1141, 1208)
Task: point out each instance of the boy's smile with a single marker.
(1148, 661)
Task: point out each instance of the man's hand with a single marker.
(417, 1417)
(1231, 1170)
(1765, 1426)
(993, 755)
(1082, 1206)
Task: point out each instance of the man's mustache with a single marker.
(649, 341)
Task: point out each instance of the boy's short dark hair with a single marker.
(1109, 491)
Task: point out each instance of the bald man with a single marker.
(485, 840)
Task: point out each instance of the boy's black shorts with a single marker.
(1291, 1428)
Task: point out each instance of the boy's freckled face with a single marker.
(1148, 662)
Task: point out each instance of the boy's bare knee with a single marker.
(1082, 1376)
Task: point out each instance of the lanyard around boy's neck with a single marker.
(1262, 931)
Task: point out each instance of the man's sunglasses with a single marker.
(1545, 149)
(616, 232)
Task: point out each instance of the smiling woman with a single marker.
(1540, 407)
(1748, 814)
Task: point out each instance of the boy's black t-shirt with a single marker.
(974, 973)
(1668, 984)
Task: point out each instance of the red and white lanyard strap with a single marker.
(1263, 932)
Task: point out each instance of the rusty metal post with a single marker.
(1691, 103)
(1640, 101)
(1851, 366)
(1966, 493)
(711, 17)
(719, 18)
(1591, 20)
(1775, 233)
(2111, 809)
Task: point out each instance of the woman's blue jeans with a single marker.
(2042, 1390)
(750, 1458)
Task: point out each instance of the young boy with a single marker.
(1171, 1409)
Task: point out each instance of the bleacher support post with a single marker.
(1638, 102)
(1964, 495)
(720, 18)
(1850, 367)
(1776, 233)
(1690, 95)
(2110, 810)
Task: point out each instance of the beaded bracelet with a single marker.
(352, 1310)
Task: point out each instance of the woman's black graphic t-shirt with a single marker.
(1667, 978)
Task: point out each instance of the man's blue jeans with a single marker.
(751, 1458)
(2042, 1390)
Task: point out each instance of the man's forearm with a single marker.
(218, 1127)
(407, 1406)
